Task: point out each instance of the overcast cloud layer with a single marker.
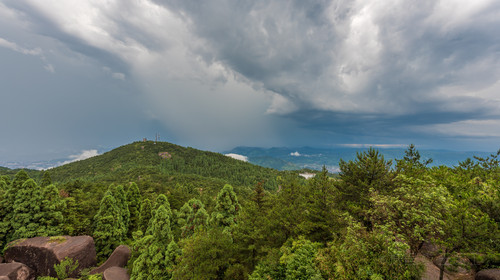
(215, 74)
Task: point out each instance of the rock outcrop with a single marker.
(488, 274)
(115, 273)
(15, 271)
(118, 258)
(41, 253)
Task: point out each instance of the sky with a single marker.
(80, 76)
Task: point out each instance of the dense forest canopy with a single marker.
(189, 214)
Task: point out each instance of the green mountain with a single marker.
(162, 163)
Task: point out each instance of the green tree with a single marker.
(226, 209)
(19, 179)
(368, 171)
(108, 229)
(468, 230)
(322, 215)
(412, 164)
(415, 209)
(157, 258)
(145, 215)
(368, 255)
(161, 200)
(121, 202)
(297, 260)
(134, 204)
(26, 211)
(52, 208)
(205, 255)
(46, 179)
(192, 217)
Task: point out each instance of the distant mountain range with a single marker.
(314, 158)
(295, 158)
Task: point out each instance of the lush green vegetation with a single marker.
(190, 214)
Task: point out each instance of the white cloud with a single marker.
(238, 157)
(295, 154)
(85, 154)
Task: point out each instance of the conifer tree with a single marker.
(26, 211)
(145, 215)
(7, 205)
(52, 212)
(192, 216)
(133, 201)
(226, 208)
(46, 179)
(161, 200)
(20, 178)
(6, 179)
(109, 227)
(157, 258)
(121, 202)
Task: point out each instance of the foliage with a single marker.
(121, 202)
(134, 204)
(205, 255)
(415, 209)
(65, 268)
(226, 209)
(295, 261)
(362, 254)
(145, 215)
(156, 261)
(108, 229)
(368, 171)
(192, 217)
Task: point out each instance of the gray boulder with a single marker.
(41, 253)
(488, 274)
(15, 271)
(115, 273)
(118, 258)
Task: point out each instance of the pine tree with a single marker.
(226, 208)
(157, 258)
(145, 215)
(121, 203)
(26, 211)
(46, 179)
(161, 200)
(192, 216)
(19, 179)
(52, 218)
(133, 200)
(109, 227)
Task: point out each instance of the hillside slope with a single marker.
(162, 161)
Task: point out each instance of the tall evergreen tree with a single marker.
(134, 204)
(27, 211)
(161, 200)
(46, 179)
(20, 178)
(226, 209)
(159, 249)
(121, 202)
(52, 219)
(108, 229)
(192, 216)
(145, 215)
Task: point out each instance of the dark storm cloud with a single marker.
(216, 74)
(388, 57)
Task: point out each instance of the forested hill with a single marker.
(162, 161)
